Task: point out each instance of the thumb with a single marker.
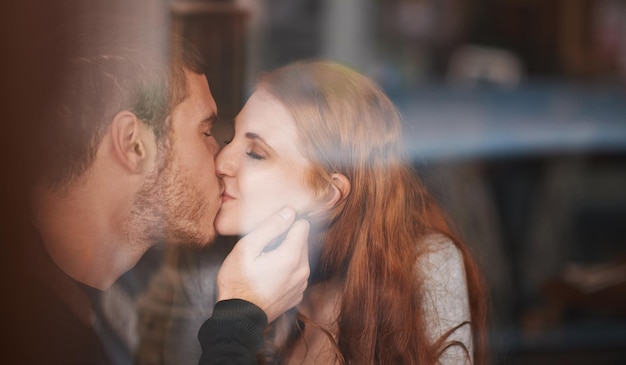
(277, 224)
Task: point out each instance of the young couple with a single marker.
(127, 162)
(123, 162)
(391, 283)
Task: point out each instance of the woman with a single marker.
(391, 283)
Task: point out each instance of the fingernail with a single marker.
(286, 213)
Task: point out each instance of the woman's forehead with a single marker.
(264, 115)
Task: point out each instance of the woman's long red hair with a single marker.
(372, 239)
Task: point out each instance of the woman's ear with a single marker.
(339, 190)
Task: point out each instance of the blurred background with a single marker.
(515, 116)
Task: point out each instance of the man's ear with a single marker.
(129, 136)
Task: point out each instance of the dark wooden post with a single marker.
(217, 30)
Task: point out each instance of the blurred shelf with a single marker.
(535, 118)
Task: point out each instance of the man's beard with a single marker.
(169, 208)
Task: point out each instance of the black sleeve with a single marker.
(233, 334)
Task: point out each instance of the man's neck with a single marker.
(86, 235)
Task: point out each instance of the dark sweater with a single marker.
(48, 318)
(233, 334)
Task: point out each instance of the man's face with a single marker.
(179, 202)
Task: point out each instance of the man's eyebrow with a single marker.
(211, 119)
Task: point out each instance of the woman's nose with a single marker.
(224, 162)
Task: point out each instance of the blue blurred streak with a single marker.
(541, 117)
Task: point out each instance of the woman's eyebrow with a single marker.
(251, 135)
(256, 137)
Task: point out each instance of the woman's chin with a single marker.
(224, 228)
(227, 231)
(228, 227)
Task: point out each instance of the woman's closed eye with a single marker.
(255, 155)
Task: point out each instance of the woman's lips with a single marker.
(226, 197)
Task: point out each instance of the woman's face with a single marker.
(262, 168)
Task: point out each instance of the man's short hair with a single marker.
(114, 66)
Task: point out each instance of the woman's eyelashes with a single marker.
(254, 155)
(253, 149)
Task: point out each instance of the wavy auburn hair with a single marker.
(347, 125)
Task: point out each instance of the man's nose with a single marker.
(215, 147)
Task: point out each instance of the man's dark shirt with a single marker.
(46, 315)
